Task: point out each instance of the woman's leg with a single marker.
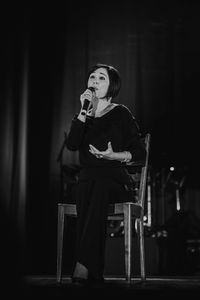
(82, 201)
(92, 206)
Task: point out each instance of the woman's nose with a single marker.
(96, 81)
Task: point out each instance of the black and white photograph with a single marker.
(100, 152)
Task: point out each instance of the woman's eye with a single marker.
(102, 78)
(92, 77)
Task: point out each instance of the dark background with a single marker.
(46, 51)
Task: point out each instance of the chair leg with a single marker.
(60, 231)
(142, 252)
(127, 240)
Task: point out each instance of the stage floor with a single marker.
(154, 286)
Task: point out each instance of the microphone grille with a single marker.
(92, 89)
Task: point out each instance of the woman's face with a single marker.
(99, 79)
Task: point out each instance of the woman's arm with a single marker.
(124, 156)
(132, 137)
(133, 147)
(76, 133)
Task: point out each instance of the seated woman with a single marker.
(107, 136)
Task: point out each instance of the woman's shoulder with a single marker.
(124, 110)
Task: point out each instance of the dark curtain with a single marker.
(45, 54)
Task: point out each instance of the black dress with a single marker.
(101, 181)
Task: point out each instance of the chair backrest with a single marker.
(143, 179)
(141, 172)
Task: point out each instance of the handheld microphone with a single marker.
(86, 102)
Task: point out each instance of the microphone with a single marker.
(86, 102)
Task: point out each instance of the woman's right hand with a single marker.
(88, 94)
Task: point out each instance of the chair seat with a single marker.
(68, 208)
(118, 208)
(113, 209)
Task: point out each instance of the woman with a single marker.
(106, 136)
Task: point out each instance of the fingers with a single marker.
(96, 154)
(107, 154)
(88, 94)
(93, 148)
(95, 151)
(109, 145)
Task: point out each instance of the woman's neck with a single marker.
(99, 106)
(102, 104)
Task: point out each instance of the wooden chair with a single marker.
(126, 212)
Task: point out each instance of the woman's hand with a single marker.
(124, 156)
(89, 95)
(107, 154)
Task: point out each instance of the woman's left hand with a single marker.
(107, 154)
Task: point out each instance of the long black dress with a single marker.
(101, 181)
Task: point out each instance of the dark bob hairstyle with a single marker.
(114, 78)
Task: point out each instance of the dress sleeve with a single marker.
(132, 137)
(75, 134)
